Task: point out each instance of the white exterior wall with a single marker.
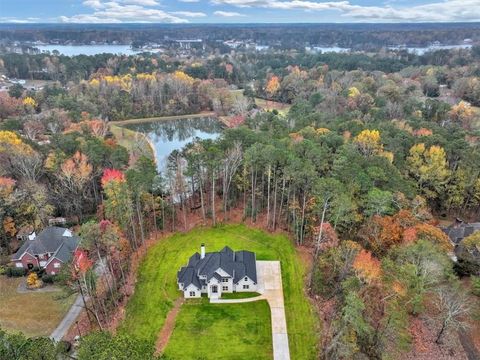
(214, 282)
(251, 285)
(229, 283)
(191, 287)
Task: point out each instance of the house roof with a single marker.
(56, 240)
(236, 264)
(458, 232)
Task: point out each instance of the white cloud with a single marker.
(189, 14)
(227, 13)
(448, 10)
(189, 1)
(123, 11)
(140, 2)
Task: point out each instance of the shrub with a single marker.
(476, 285)
(49, 279)
(15, 272)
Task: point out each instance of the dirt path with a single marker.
(168, 326)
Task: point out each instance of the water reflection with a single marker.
(169, 135)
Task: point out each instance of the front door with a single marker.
(214, 289)
(30, 266)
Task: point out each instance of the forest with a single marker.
(282, 36)
(375, 154)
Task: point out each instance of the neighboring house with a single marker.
(218, 272)
(48, 250)
(460, 230)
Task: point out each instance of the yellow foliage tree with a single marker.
(462, 113)
(29, 102)
(429, 167)
(368, 142)
(180, 75)
(33, 282)
(353, 92)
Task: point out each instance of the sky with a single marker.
(237, 11)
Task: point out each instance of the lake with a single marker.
(72, 50)
(169, 135)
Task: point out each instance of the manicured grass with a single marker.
(239, 295)
(156, 287)
(221, 331)
(33, 313)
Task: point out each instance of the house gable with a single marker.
(216, 272)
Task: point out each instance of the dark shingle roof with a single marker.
(237, 264)
(458, 232)
(51, 240)
(248, 259)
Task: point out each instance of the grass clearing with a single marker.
(33, 313)
(273, 105)
(156, 287)
(200, 325)
(133, 141)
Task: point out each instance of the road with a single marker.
(270, 287)
(76, 308)
(68, 320)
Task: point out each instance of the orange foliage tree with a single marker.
(273, 85)
(367, 266)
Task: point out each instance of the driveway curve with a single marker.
(270, 287)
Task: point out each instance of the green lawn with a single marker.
(221, 331)
(156, 287)
(33, 313)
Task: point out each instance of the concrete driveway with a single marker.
(270, 287)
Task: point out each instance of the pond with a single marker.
(169, 135)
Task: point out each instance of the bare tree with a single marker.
(454, 308)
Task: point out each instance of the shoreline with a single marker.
(163, 118)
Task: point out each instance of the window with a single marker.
(224, 280)
(225, 288)
(245, 287)
(56, 265)
(246, 278)
(192, 293)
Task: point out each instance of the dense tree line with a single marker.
(288, 36)
(358, 170)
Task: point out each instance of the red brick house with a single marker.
(49, 250)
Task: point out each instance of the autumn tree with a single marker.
(118, 204)
(368, 142)
(273, 86)
(429, 167)
(462, 113)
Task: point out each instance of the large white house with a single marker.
(218, 272)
